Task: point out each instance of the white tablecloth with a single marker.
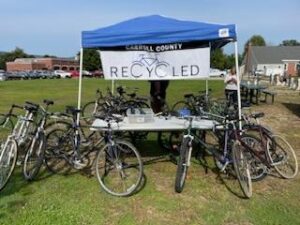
(160, 123)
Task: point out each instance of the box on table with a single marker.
(140, 115)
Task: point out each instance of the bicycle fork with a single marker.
(190, 148)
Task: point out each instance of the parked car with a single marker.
(75, 74)
(2, 75)
(47, 74)
(86, 73)
(258, 72)
(34, 74)
(62, 74)
(98, 73)
(217, 73)
(17, 75)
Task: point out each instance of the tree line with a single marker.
(92, 61)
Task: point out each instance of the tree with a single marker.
(11, 56)
(218, 59)
(91, 60)
(230, 61)
(255, 40)
(291, 42)
(221, 61)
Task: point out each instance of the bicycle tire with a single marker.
(258, 170)
(123, 161)
(8, 159)
(57, 124)
(6, 128)
(280, 148)
(88, 110)
(34, 157)
(241, 168)
(182, 166)
(59, 147)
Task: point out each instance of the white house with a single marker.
(272, 60)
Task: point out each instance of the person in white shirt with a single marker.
(231, 87)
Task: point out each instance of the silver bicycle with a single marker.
(19, 137)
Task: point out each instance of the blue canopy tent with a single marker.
(157, 29)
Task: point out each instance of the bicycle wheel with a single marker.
(282, 156)
(258, 170)
(119, 168)
(182, 166)
(241, 168)
(8, 158)
(59, 147)
(6, 128)
(34, 157)
(89, 109)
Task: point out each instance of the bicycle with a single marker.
(18, 138)
(117, 104)
(119, 167)
(90, 109)
(69, 143)
(273, 151)
(7, 122)
(193, 103)
(231, 154)
(34, 156)
(64, 150)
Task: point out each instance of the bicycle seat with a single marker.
(72, 110)
(132, 95)
(31, 103)
(257, 115)
(188, 95)
(48, 102)
(30, 107)
(204, 91)
(120, 90)
(143, 99)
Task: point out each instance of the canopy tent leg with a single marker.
(112, 86)
(80, 84)
(238, 83)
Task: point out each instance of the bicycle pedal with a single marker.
(79, 164)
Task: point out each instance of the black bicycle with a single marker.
(69, 143)
(231, 155)
(34, 156)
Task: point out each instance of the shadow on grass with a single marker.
(17, 182)
(294, 108)
(228, 179)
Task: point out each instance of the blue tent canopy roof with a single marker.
(157, 30)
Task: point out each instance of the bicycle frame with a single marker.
(264, 135)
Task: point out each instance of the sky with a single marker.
(54, 27)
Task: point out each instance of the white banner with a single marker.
(147, 65)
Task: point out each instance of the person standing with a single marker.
(158, 94)
(231, 87)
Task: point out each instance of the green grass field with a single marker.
(208, 198)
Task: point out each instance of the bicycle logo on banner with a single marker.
(149, 65)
